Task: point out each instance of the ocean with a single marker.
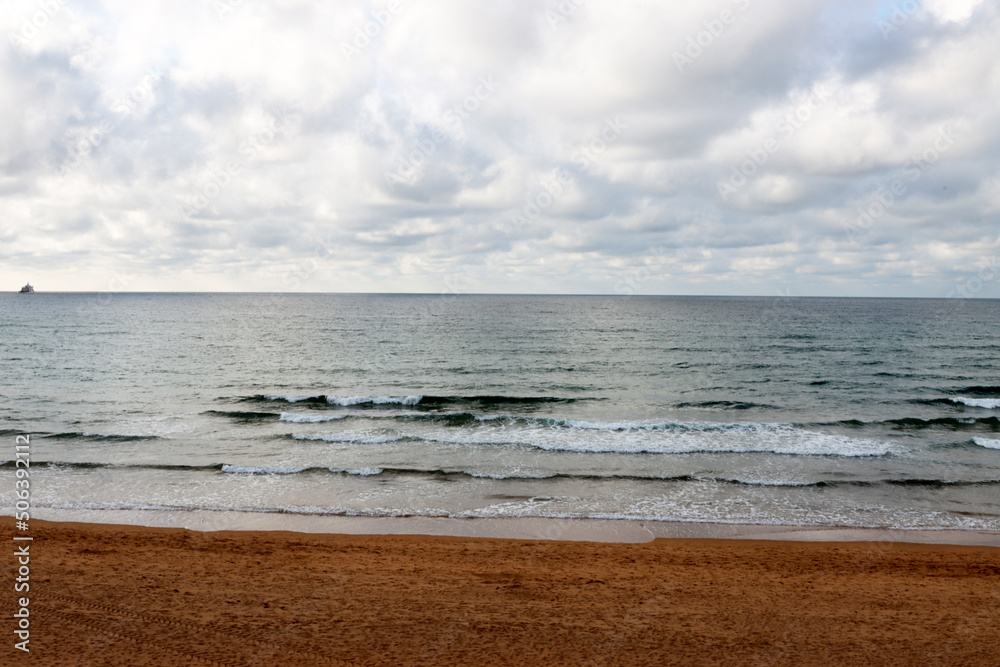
(751, 410)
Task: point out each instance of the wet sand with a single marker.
(127, 595)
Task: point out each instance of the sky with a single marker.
(759, 147)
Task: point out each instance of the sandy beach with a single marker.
(126, 595)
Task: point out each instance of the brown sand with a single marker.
(117, 595)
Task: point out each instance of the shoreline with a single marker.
(521, 528)
(116, 595)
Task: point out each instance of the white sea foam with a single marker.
(307, 419)
(289, 399)
(801, 444)
(988, 403)
(655, 426)
(263, 470)
(687, 438)
(583, 425)
(363, 472)
(987, 442)
(373, 400)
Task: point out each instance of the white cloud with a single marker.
(276, 146)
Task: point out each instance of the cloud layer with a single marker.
(563, 146)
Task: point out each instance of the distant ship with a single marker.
(27, 289)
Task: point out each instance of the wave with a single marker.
(988, 403)
(263, 398)
(987, 442)
(699, 427)
(263, 470)
(307, 419)
(576, 435)
(950, 423)
(358, 439)
(468, 418)
(730, 480)
(242, 416)
(496, 400)
(92, 464)
(347, 401)
(253, 417)
(978, 390)
(210, 467)
(525, 475)
(786, 444)
(361, 472)
(456, 419)
(726, 405)
(778, 439)
(421, 401)
(98, 437)
(682, 427)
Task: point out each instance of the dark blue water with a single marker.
(861, 412)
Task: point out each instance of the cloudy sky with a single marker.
(544, 146)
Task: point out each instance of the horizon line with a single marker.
(523, 294)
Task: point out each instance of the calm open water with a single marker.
(856, 412)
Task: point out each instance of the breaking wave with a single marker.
(422, 401)
(987, 403)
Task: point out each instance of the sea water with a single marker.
(798, 411)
